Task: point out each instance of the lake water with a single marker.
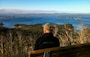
(10, 22)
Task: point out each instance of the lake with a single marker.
(10, 22)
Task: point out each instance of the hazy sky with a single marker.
(70, 6)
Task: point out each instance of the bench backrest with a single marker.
(82, 50)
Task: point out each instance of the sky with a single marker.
(63, 6)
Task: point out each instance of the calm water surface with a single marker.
(10, 22)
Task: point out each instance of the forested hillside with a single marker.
(17, 41)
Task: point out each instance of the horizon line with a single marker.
(47, 11)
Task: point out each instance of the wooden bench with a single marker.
(82, 50)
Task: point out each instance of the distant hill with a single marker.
(15, 11)
(38, 13)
